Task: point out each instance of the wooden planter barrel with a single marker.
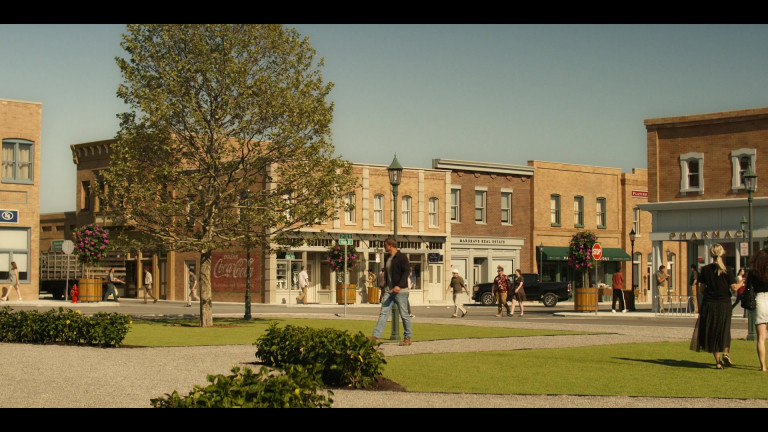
(350, 292)
(374, 295)
(90, 290)
(585, 299)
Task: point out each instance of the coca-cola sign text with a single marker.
(228, 272)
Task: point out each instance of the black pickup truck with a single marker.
(548, 293)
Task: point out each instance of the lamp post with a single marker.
(245, 204)
(395, 176)
(750, 182)
(541, 264)
(744, 224)
(632, 268)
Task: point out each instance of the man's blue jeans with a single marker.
(401, 299)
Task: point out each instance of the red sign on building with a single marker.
(228, 272)
(639, 194)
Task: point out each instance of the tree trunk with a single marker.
(206, 293)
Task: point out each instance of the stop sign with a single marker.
(597, 251)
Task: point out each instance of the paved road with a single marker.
(97, 377)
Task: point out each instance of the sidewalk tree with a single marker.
(226, 142)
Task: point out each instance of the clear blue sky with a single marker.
(504, 93)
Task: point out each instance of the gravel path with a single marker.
(130, 377)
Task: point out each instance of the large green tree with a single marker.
(226, 142)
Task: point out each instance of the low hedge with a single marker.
(63, 326)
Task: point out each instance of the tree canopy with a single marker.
(227, 140)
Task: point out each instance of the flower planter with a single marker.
(90, 290)
(584, 299)
(374, 295)
(350, 292)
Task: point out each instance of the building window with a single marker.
(601, 212)
(741, 160)
(406, 211)
(14, 247)
(433, 206)
(554, 210)
(85, 195)
(480, 196)
(455, 204)
(692, 173)
(506, 208)
(17, 161)
(636, 220)
(578, 211)
(349, 208)
(378, 209)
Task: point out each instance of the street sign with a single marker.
(68, 247)
(56, 245)
(597, 252)
(345, 239)
(744, 249)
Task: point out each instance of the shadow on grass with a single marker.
(674, 363)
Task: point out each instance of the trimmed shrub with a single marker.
(63, 326)
(346, 360)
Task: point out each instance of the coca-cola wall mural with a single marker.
(228, 272)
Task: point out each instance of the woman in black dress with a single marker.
(713, 328)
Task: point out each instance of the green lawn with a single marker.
(660, 369)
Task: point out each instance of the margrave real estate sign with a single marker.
(228, 272)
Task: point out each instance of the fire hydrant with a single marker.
(74, 292)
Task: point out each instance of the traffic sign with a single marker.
(345, 239)
(67, 246)
(597, 252)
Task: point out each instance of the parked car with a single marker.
(548, 293)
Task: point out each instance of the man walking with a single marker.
(303, 285)
(661, 279)
(192, 284)
(148, 286)
(458, 285)
(618, 292)
(501, 285)
(397, 269)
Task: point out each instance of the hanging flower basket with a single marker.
(91, 245)
(336, 257)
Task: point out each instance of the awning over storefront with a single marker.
(560, 253)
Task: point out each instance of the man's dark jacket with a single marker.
(400, 269)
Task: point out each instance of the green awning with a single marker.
(560, 253)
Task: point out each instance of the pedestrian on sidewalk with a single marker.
(397, 269)
(518, 293)
(192, 284)
(148, 286)
(13, 281)
(111, 288)
(617, 284)
(662, 279)
(303, 285)
(458, 285)
(501, 286)
(713, 327)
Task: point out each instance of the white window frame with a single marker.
(433, 208)
(349, 215)
(636, 220)
(481, 193)
(405, 210)
(506, 207)
(456, 204)
(737, 174)
(685, 159)
(378, 210)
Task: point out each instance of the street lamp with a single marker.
(244, 195)
(632, 268)
(395, 176)
(750, 182)
(541, 264)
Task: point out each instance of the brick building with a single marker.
(568, 198)
(697, 197)
(489, 216)
(20, 132)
